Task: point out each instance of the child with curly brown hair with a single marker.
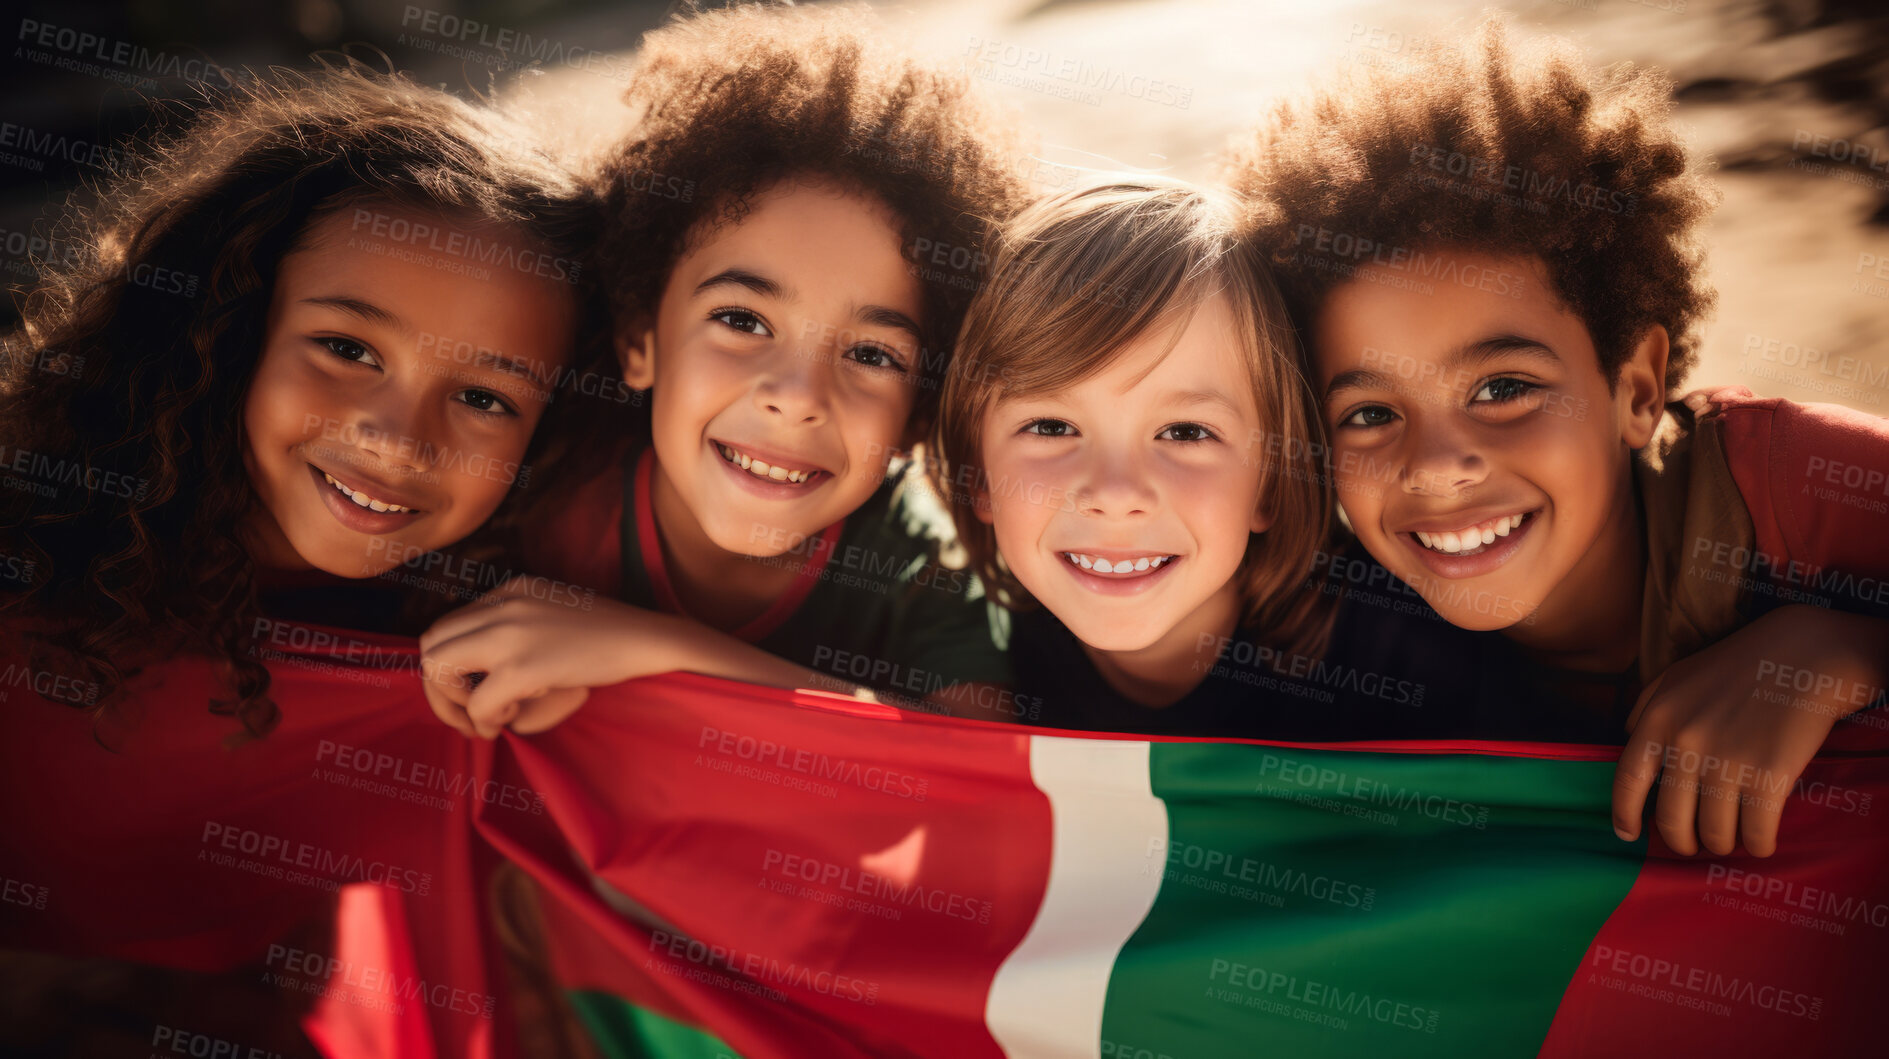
(289, 349)
(1494, 255)
(795, 225)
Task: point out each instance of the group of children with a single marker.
(800, 387)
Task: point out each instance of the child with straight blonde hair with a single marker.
(1128, 441)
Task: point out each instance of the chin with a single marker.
(1475, 622)
(1116, 639)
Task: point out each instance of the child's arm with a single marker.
(1733, 726)
(540, 658)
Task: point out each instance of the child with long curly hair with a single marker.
(288, 350)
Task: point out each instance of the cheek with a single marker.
(1226, 497)
(475, 496)
(282, 408)
(1353, 484)
(872, 418)
(691, 389)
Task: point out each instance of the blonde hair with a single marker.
(1074, 280)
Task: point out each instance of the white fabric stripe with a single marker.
(1046, 1001)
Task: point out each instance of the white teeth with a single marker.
(760, 468)
(1118, 566)
(1469, 539)
(362, 499)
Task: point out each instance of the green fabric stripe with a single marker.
(1339, 904)
(621, 1030)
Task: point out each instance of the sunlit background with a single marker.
(1789, 98)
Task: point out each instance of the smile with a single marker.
(365, 500)
(762, 469)
(1135, 565)
(1471, 539)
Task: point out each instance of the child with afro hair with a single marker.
(1493, 254)
(796, 224)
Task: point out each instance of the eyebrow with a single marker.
(877, 315)
(741, 277)
(881, 316)
(1208, 396)
(1481, 351)
(486, 358)
(363, 310)
(1484, 350)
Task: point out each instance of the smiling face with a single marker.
(1481, 454)
(1124, 503)
(783, 363)
(393, 400)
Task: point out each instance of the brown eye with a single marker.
(1503, 390)
(349, 350)
(741, 320)
(876, 357)
(1187, 432)
(485, 401)
(1371, 415)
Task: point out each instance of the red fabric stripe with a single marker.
(131, 845)
(1690, 926)
(702, 835)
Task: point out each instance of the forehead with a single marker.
(815, 237)
(1189, 351)
(1444, 301)
(446, 284)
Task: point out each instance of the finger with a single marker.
(446, 709)
(455, 666)
(549, 710)
(1633, 779)
(1676, 813)
(1719, 798)
(498, 699)
(1758, 823)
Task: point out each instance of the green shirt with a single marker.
(872, 606)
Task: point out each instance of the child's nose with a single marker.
(1115, 485)
(796, 386)
(1442, 463)
(395, 431)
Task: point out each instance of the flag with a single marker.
(728, 871)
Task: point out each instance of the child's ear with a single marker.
(980, 505)
(1640, 392)
(1263, 517)
(636, 352)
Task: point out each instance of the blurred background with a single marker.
(1788, 98)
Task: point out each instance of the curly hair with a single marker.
(1075, 280)
(113, 377)
(1487, 145)
(729, 102)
